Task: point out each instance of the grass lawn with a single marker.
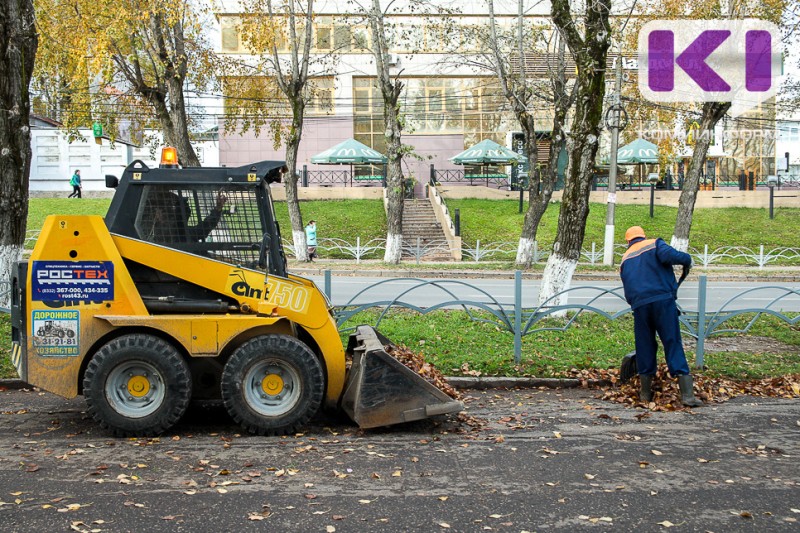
(451, 341)
(498, 221)
(495, 221)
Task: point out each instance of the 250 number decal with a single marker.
(289, 296)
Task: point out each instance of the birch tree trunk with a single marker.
(540, 191)
(18, 44)
(712, 113)
(589, 52)
(292, 199)
(390, 92)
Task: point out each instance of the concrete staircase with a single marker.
(419, 221)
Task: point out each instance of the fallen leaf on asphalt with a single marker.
(656, 452)
(364, 501)
(190, 492)
(557, 434)
(443, 498)
(666, 395)
(330, 529)
(666, 523)
(70, 507)
(795, 510)
(746, 514)
(589, 476)
(222, 491)
(168, 517)
(397, 473)
(444, 525)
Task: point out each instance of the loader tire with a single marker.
(272, 385)
(137, 386)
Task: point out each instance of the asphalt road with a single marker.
(545, 460)
(429, 292)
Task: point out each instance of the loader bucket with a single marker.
(382, 391)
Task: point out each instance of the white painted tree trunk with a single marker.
(394, 248)
(300, 247)
(557, 278)
(525, 251)
(9, 254)
(681, 245)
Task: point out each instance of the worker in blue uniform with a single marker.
(651, 290)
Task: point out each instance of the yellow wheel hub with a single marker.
(138, 386)
(272, 384)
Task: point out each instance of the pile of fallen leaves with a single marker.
(427, 371)
(667, 396)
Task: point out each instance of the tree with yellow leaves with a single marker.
(124, 62)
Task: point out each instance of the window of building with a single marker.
(230, 33)
(323, 34)
(474, 107)
(251, 95)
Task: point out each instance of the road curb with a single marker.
(479, 383)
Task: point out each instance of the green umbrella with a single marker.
(486, 152)
(350, 151)
(636, 152)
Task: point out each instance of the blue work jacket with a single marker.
(646, 271)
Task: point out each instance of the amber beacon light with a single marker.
(169, 157)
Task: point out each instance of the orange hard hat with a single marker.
(634, 232)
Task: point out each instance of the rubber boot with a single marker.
(686, 385)
(645, 390)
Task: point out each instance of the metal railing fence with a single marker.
(700, 323)
(507, 251)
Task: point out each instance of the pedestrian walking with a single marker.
(651, 290)
(311, 239)
(75, 181)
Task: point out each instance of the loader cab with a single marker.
(221, 213)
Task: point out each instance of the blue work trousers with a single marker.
(662, 317)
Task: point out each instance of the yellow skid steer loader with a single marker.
(182, 293)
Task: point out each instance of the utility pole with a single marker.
(614, 124)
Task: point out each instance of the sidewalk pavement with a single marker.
(517, 460)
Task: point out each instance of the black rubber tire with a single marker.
(239, 384)
(130, 350)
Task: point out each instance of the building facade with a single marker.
(450, 101)
(55, 157)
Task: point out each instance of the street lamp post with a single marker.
(772, 181)
(616, 120)
(653, 179)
